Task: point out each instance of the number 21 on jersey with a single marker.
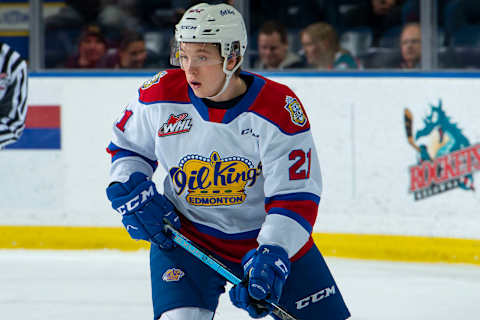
(299, 169)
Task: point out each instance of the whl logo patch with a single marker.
(176, 124)
(446, 158)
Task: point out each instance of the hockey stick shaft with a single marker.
(217, 266)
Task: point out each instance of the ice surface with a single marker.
(103, 285)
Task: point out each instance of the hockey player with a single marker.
(243, 179)
(13, 95)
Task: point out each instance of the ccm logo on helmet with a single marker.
(322, 294)
(226, 12)
(136, 201)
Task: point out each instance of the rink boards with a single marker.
(384, 197)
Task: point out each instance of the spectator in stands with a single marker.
(73, 13)
(322, 48)
(411, 46)
(273, 48)
(118, 15)
(379, 15)
(294, 14)
(91, 48)
(131, 54)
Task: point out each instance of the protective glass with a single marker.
(183, 58)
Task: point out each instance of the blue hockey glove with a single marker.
(265, 271)
(143, 209)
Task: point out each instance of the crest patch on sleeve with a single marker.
(156, 78)
(296, 112)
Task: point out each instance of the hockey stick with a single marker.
(217, 266)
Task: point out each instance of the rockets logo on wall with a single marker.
(446, 159)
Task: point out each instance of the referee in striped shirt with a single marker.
(13, 95)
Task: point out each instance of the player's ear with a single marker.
(232, 62)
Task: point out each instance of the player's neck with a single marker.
(235, 88)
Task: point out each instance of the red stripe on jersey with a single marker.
(272, 104)
(172, 87)
(232, 250)
(305, 208)
(303, 250)
(216, 115)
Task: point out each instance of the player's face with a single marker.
(203, 68)
(271, 49)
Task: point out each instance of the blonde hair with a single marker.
(321, 31)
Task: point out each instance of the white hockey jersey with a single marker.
(239, 177)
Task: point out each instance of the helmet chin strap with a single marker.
(228, 76)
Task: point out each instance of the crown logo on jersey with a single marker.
(296, 112)
(175, 124)
(173, 274)
(214, 181)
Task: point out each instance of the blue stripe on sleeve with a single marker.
(122, 153)
(298, 196)
(292, 215)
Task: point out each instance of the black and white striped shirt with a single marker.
(13, 95)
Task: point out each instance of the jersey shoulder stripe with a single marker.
(166, 86)
(279, 105)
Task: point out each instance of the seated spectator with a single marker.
(273, 48)
(91, 48)
(411, 46)
(378, 15)
(293, 14)
(131, 53)
(322, 48)
(119, 15)
(407, 57)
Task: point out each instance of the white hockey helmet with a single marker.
(220, 24)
